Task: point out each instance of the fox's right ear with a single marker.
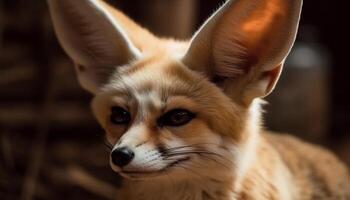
(92, 37)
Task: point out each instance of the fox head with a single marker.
(185, 109)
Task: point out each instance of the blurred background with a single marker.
(52, 148)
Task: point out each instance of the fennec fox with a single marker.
(183, 117)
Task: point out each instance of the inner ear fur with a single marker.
(97, 37)
(245, 43)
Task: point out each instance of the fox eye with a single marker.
(176, 117)
(120, 116)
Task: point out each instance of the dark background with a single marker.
(52, 148)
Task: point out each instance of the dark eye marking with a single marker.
(119, 116)
(176, 117)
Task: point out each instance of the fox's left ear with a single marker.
(244, 44)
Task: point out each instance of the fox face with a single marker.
(185, 109)
(163, 118)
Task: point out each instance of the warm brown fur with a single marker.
(316, 171)
(221, 74)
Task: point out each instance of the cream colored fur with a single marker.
(233, 60)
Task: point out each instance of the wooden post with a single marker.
(171, 18)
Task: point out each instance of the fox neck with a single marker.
(208, 189)
(246, 152)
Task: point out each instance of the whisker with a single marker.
(108, 145)
(197, 145)
(203, 153)
(207, 157)
(188, 146)
(175, 148)
(193, 152)
(169, 154)
(213, 159)
(189, 169)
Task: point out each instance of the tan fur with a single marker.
(230, 157)
(314, 172)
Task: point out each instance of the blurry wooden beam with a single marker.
(64, 113)
(6, 150)
(90, 183)
(171, 18)
(22, 72)
(75, 175)
(1, 24)
(29, 187)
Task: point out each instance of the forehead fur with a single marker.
(162, 74)
(153, 81)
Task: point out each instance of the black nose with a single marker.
(122, 156)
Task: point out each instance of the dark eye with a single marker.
(176, 117)
(120, 116)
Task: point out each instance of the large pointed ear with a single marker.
(244, 44)
(92, 37)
